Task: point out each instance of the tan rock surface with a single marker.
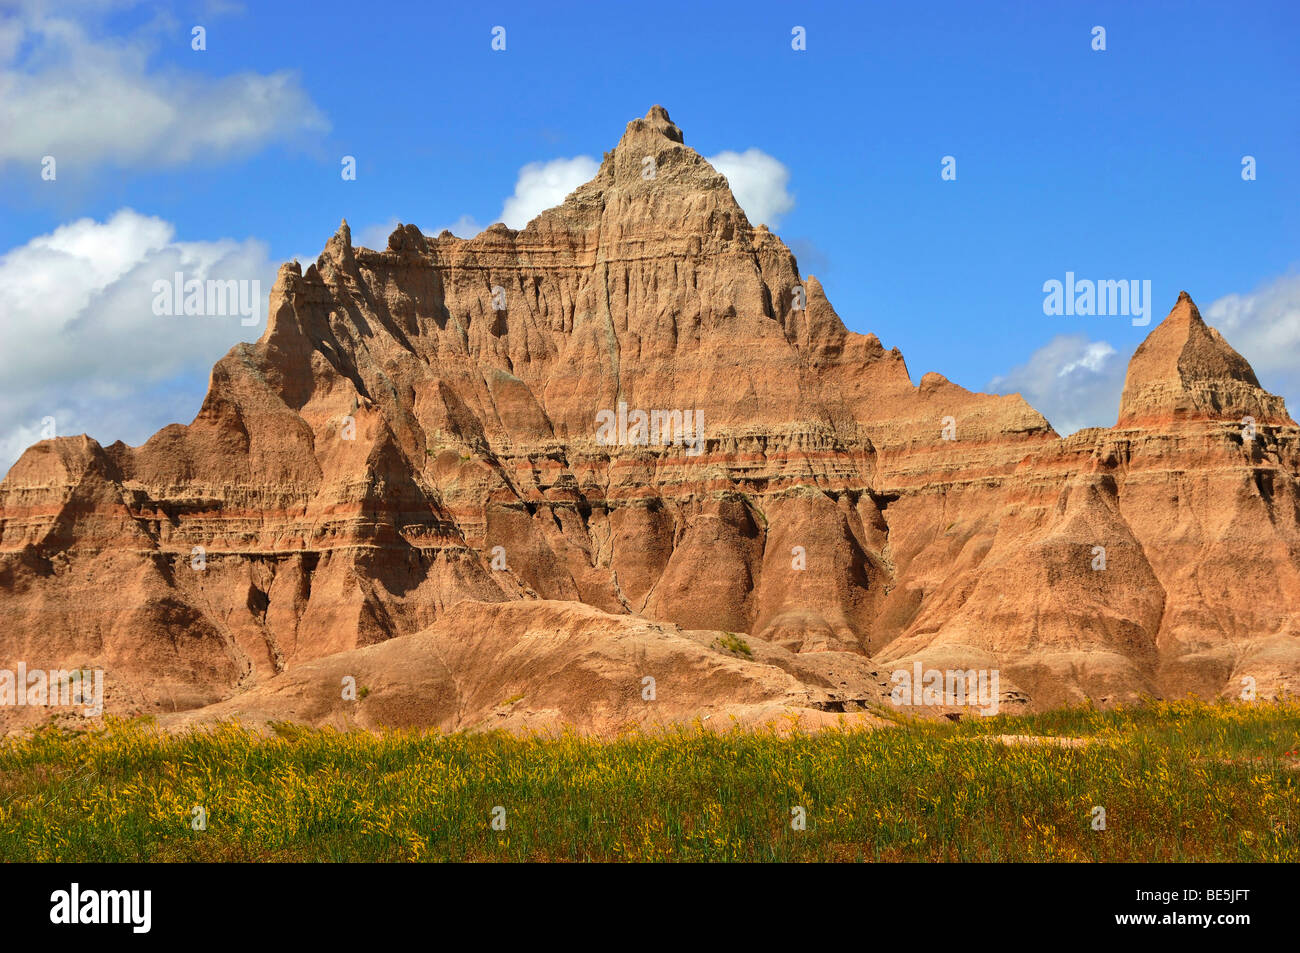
(544, 665)
(351, 475)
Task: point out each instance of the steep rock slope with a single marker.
(420, 427)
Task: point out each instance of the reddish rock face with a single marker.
(1185, 369)
(638, 403)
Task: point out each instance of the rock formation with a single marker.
(413, 454)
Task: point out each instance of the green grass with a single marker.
(1180, 781)
(731, 642)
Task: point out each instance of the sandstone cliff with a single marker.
(415, 438)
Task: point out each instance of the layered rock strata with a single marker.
(418, 436)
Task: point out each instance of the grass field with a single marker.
(1178, 781)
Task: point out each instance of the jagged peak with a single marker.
(1185, 367)
(650, 161)
(1183, 347)
(338, 249)
(654, 123)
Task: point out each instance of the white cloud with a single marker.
(1264, 327)
(543, 185)
(464, 227)
(76, 94)
(375, 236)
(1070, 380)
(758, 182)
(82, 342)
(539, 186)
(1075, 382)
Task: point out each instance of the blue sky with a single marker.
(1122, 163)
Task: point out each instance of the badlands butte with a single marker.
(402, 482)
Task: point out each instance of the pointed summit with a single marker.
(338, 249)
(1185, 368)
(653, 150)
(655, 123)
(653, 175)
(1184, 347)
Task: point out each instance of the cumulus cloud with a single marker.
(375, 236)
(1264, 327)
(539, 186)
(464, 227)
(83, 344)
(84, 97)
(1072, 381)
(543, 185)
(1076, 382)
(759, 183)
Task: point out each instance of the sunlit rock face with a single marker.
(637, 403)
